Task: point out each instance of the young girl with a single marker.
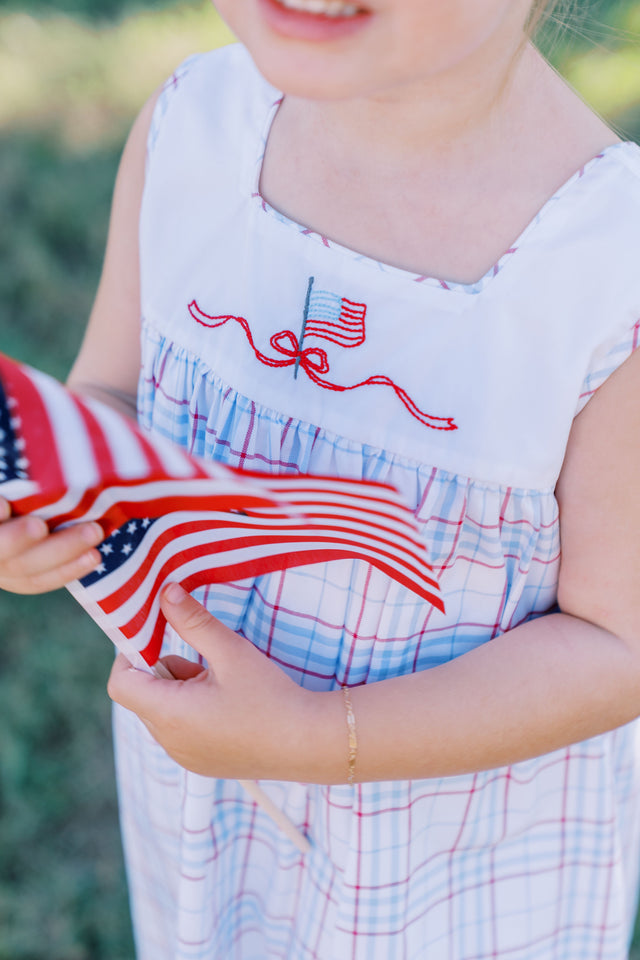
(384, 240)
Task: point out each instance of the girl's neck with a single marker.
(427, 183)
(481, 96)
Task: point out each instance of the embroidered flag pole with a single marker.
(305, 317)
(170, 516)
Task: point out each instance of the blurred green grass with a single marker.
(62, 889)
(71, 79)
(82, 82)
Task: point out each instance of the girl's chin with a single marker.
(344, 20)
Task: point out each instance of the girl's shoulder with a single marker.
(222, 65)
(627, 153)
(206, 82)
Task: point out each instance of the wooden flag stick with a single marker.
(279, 818)
(256, 793)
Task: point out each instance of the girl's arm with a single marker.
(108, 363)
(550, 682)
(32, 560)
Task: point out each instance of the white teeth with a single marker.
(328, 8)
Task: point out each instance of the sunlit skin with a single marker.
(427, 113)
(424, 113)
(397, 50)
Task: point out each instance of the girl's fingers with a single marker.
(139, 691)
(182, 669)
(197, 627)
(19, 535)
(58, 577)
(32, 561)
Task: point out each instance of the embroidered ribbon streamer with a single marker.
(314, 361)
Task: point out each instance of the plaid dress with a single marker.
(270, 347)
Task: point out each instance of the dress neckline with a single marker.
(467, 289)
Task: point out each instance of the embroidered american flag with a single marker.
(170, 516)
(335, 318)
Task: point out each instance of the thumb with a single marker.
(194, 623)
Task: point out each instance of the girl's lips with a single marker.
(302, 25)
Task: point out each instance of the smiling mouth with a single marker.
(332, 9)
(314, 21)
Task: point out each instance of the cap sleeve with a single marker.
(167, 93)
(606, 361)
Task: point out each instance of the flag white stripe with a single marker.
(75, 454)
(128, 456)
(147, 493)
(182, 570)
(322, 500)
(377, 529)
(298, 502)
(109, 626)
(229, 549)
(18, 489)
(73, 445)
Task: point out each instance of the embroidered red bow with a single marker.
(311, 359)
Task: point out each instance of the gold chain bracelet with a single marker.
(353, 738)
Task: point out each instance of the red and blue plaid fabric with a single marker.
(530, 862)
(536, 861)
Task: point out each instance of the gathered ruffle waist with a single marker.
(495, 549)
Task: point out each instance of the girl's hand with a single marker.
(34, 561)
(241, 717)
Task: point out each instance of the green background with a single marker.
(72, 75)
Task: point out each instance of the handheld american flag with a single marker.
(170, 516)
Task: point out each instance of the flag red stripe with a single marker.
(246, 537)
(314, 508)
(41, 448)
(227, 574)
(327, 547)
(101, 449)
(117, 514)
